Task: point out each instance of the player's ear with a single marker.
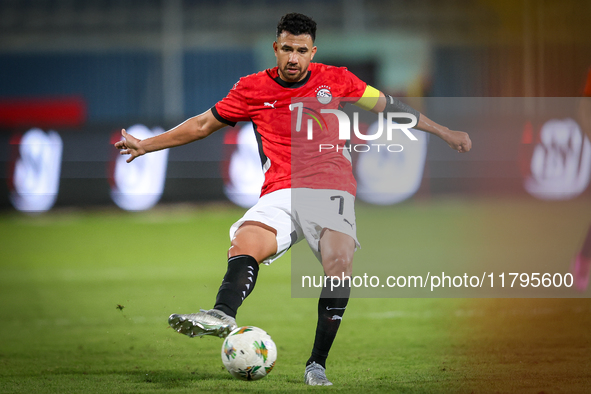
(313, 52)
(275, 46)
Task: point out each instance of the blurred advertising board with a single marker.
(522, 147)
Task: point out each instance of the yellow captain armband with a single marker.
(369, 99)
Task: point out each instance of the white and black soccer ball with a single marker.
(249, 353)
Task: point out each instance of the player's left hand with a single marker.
(458, 140)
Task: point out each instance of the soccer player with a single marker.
(268, 229)
(582, 262)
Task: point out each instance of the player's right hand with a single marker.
(129, 145)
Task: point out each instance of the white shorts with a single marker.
(302, 213)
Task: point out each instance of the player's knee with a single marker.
(338, 263)
(246, 243)
(237, 248)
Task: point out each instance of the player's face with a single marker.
(294, 54)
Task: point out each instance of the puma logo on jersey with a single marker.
(349, 223)
(272, 105)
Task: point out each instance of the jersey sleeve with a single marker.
(233, 108)
(587, 91)
(354, 85)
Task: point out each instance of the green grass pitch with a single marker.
(85, 296)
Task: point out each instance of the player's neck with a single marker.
(291, 81)
(292, 84)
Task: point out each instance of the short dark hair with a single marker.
(297, 24)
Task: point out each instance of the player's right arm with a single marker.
(193, 129)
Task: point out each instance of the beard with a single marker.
(289, 76)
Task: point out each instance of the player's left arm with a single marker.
(375, 101)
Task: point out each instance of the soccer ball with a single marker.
(249, 353)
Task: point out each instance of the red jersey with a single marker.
(264, 98)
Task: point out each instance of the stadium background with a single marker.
(88, 68)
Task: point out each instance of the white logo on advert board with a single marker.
(37, 171)
(137, 186)
(561, 162)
